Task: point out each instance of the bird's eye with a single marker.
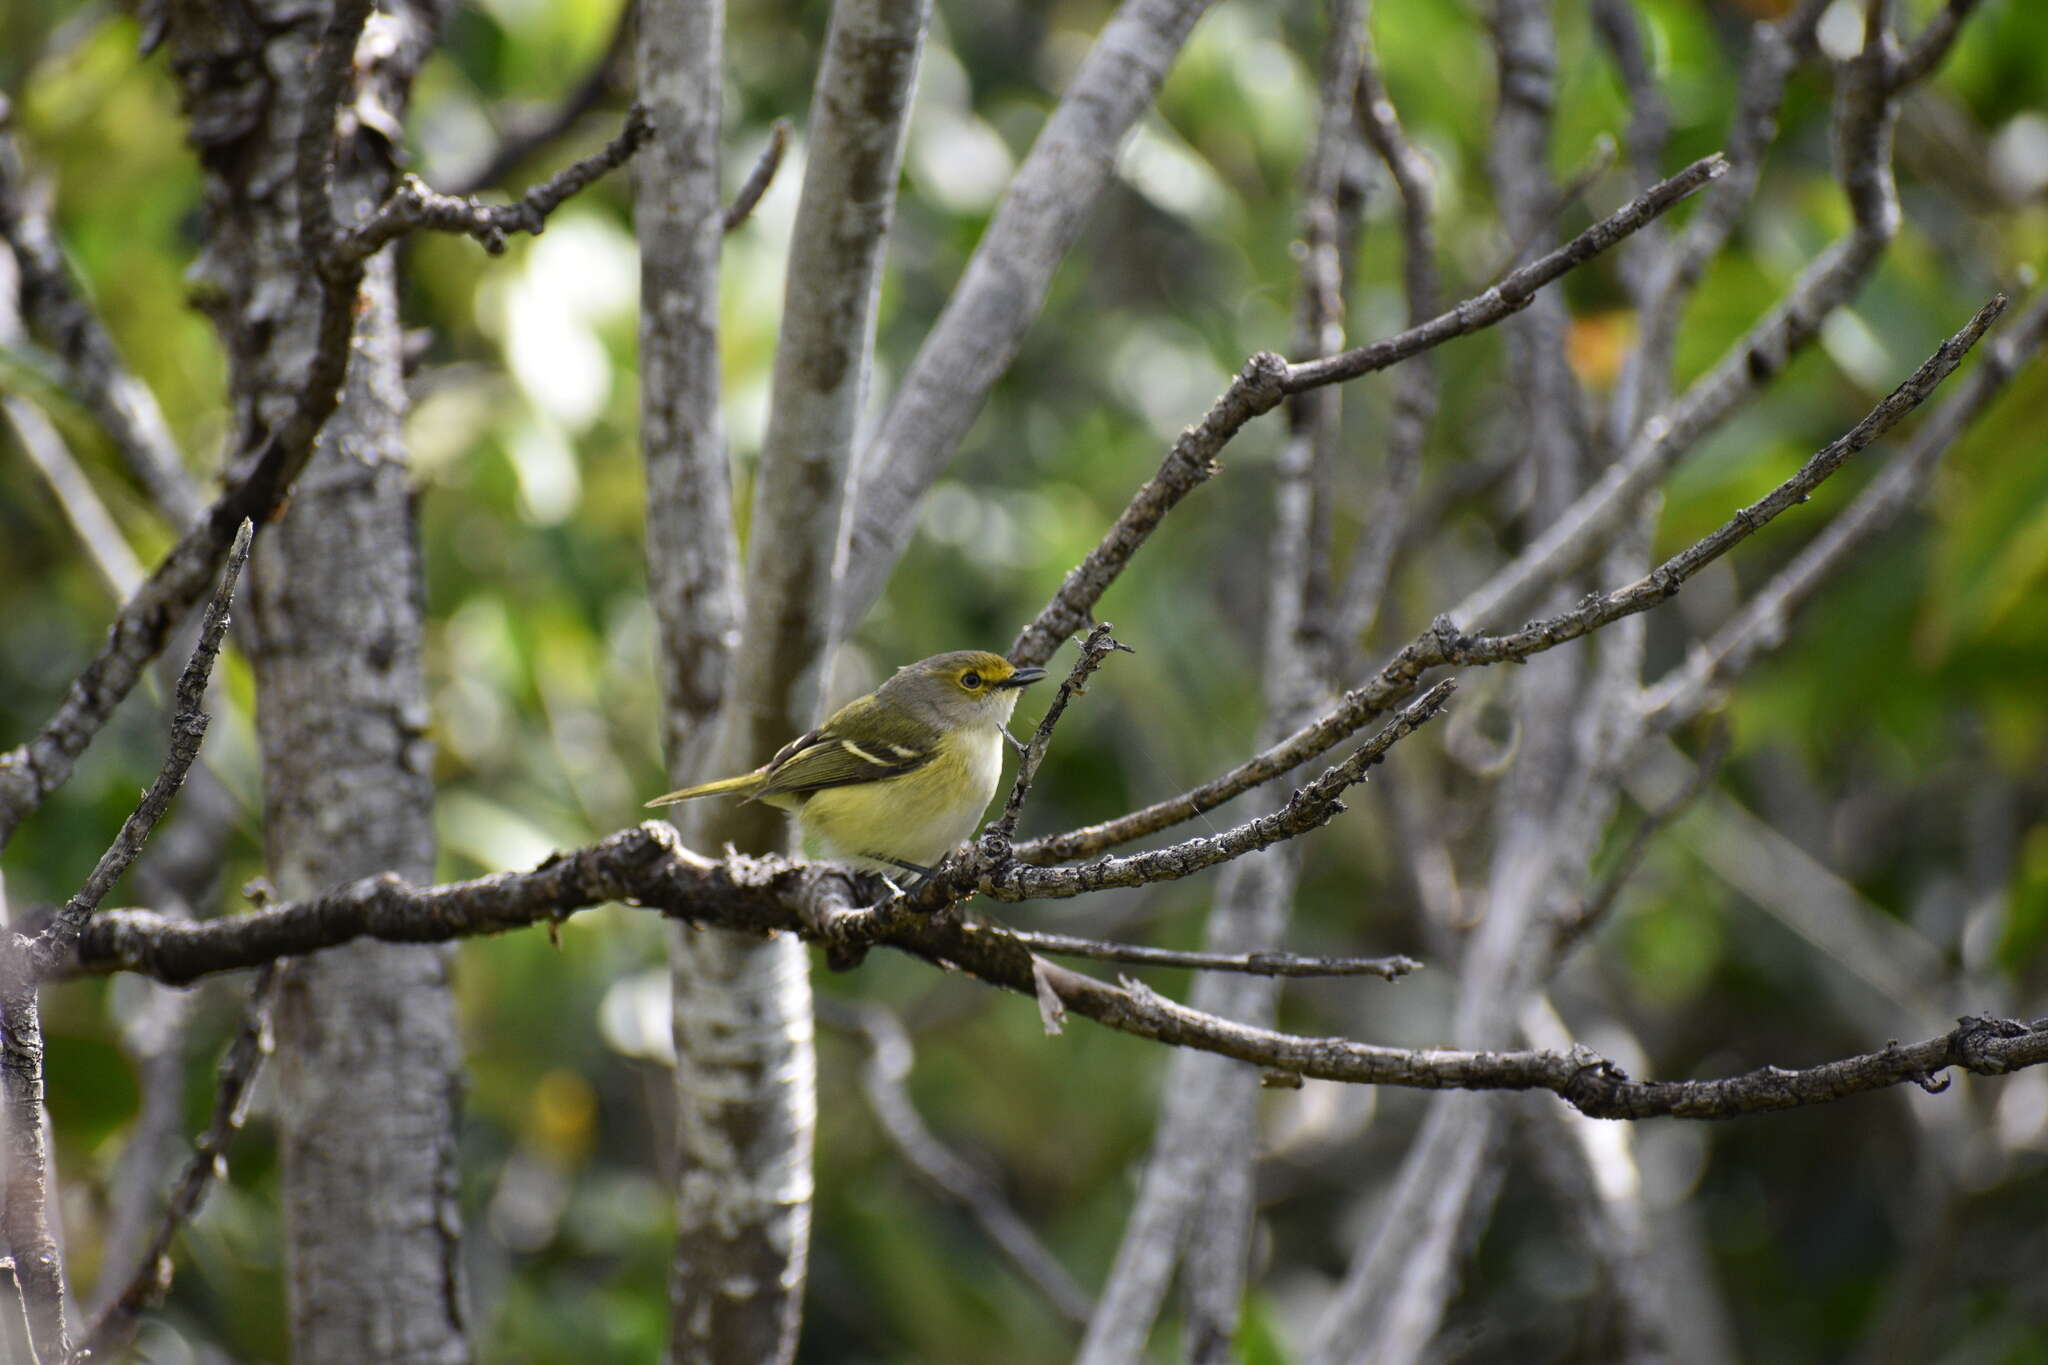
(970, 680)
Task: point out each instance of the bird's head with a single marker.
(967, 686)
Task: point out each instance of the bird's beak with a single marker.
(1022, 677)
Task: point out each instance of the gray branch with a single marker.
(999, 295)
(860, 112)
(56, 310)
(1442, 644)
(647, 866)
(1866, 107)
(1099, 645)
(414, 204)
(1415, 393)
(758, 179)
(25, 1216)
(743, 1013)
(885, 1081)
(188, 729)
(1251, 963)
(150, 1280)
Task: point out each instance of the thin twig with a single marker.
(56, 309)
(1250, 964)
(1762, 622)
(97, 531)
(1099, 645)
(1443, 644)
(314, 154)
(1649, 113)
(760, 178)
(885, 1082)
(1648, 267)
(1041, 215)
(151, 1277)
(188, 728)
(1514, 292)
(1555, 201)
(1927, 51)
(1576, 925)
(523, 142)
(414, 204)
(1415, 392)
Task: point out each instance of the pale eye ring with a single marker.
(970, 680)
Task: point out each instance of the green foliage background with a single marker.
(1899, 735)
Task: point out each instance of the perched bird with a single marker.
(897, 778)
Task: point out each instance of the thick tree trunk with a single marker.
(370, 1063)
(745, 1065)
(369, 1072)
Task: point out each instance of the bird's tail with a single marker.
(746, 784)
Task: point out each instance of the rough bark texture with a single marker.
(1404, 1276)
(796, 550)
(745, 1071)
(692, 555)
(369, 1059)
(999, 294)
(742, 1006)
(25, 1176)
(1197, 1191)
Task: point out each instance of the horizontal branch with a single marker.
(415, 204)
(647, 866)
(1249, 964)
(1579, 1076)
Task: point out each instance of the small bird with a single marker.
(898, 778)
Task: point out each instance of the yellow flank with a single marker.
(916, 818)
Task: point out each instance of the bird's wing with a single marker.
(827, 758)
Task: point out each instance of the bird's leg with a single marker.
(1018, 746)
(920, 873)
